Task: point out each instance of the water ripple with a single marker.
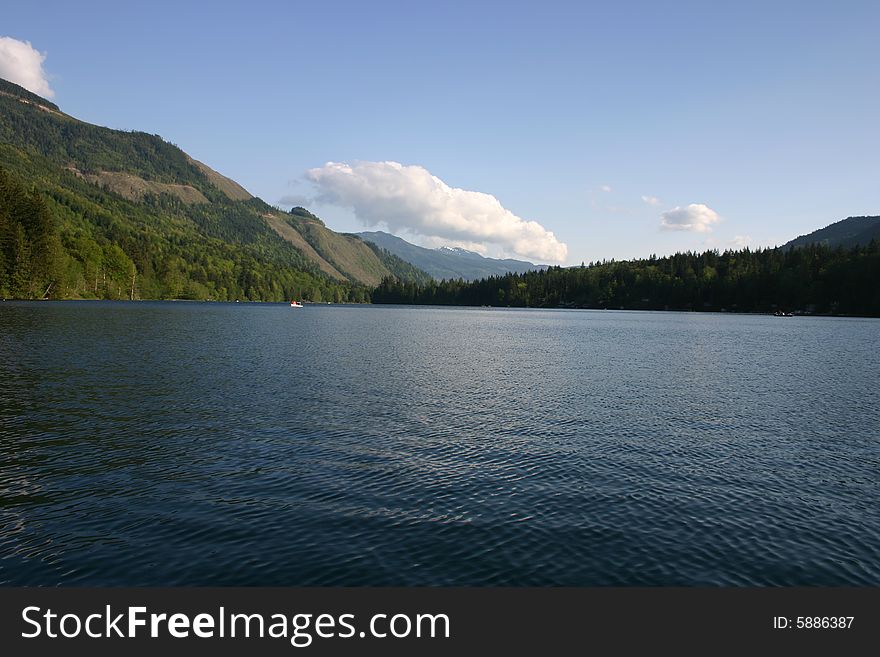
(215, 444)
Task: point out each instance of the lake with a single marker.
(254, 444)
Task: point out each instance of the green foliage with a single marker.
(30, 263)
(812, 279)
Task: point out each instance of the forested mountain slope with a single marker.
(87, 211)
(847, 233)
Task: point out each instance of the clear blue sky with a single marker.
(767, 112)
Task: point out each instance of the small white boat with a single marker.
(296, 304)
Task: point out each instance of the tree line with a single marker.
(812, 279)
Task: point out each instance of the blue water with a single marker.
(254, 444)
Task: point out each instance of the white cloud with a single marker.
(651, 200)
(410, 199)
(606, 188)
(741, 241)
(22, 64)
(695, 217)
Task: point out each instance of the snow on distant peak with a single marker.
(458, 250)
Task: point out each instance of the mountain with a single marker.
(345, 253)
(447, 262)
(86, 211)
(850, 232)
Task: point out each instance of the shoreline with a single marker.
(483, 307)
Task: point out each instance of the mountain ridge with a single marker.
(447, 262)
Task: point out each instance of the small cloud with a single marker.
(294, 200)
(22, 64)
(651, 200)
(695, 217)
(606, 188)
(741, 241)
(411, 199)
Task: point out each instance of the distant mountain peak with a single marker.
(450, 262)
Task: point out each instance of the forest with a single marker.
(809, 280)
(76, 241)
